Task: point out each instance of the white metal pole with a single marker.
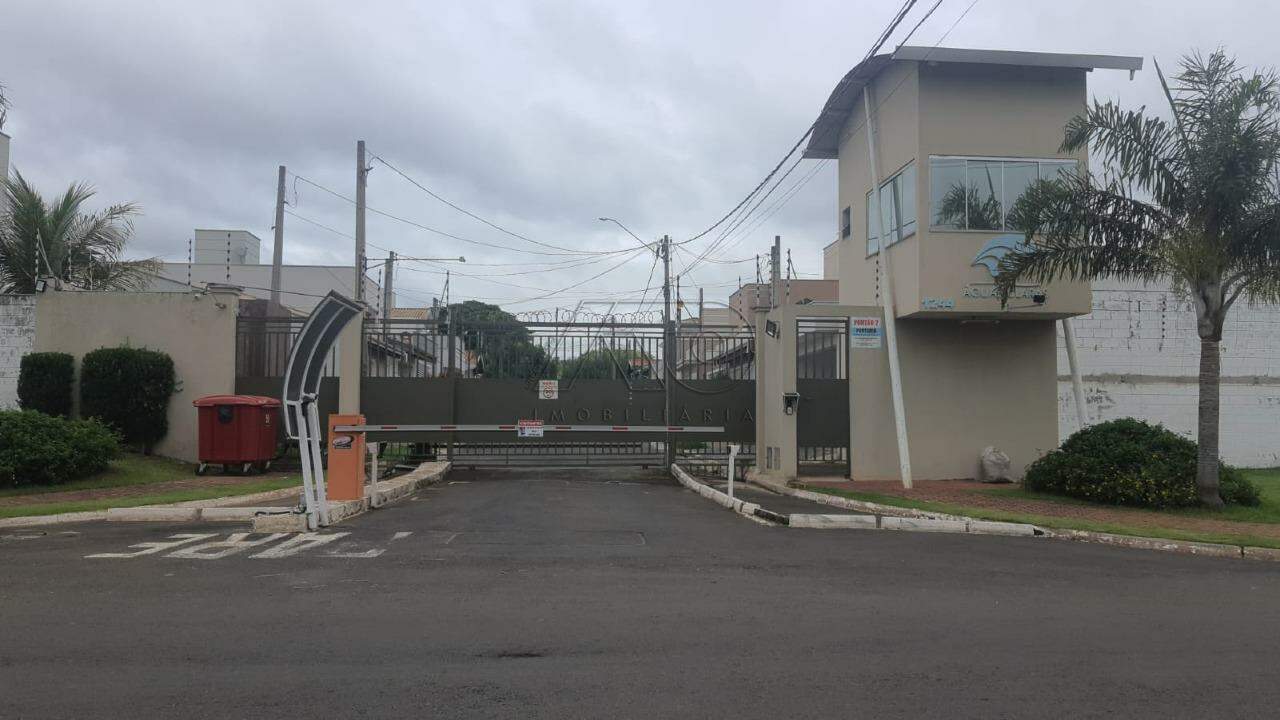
(309, 502)
(317, 464)
(733, 456)
(890, 308)
(373, 474)
(1077, 387)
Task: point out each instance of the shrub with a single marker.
(128, 389)
(1130, 462)
(44, 383)
(39, 449)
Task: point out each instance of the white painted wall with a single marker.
(17, 338)
(1139, 354)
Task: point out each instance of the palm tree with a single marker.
(62, 242)
(1194, 202)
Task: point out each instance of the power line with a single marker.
(319, 224)
(491, 224)
(449, 235)
(884, 36)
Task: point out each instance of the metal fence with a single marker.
(554, 350)
(262, 347)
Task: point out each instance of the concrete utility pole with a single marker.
(362, 178)
(667, 354)
(890, 308)
(388, 286)
(277, 256)
(775, 270)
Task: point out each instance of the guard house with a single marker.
(957, 135)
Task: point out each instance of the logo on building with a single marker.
(994, 251)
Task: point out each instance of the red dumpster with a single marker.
(237, 432)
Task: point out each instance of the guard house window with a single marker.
(978, 193)
(846, 223)
(898, 211)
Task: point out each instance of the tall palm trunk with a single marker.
(1207, 423)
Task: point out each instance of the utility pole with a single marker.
(362, 178)
(277, 257)
(775, 270)
(388, 286)
(668, 451)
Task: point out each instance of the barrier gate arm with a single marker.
(301, 393)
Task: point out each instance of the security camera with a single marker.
(1039, 298)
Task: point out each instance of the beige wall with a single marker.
(965, 386)
(196, 330)
(950, 109)
(995, 111)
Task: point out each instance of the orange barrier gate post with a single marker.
(346, 459)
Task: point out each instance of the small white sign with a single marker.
(548, 389)
(529, 428)
(864, 333)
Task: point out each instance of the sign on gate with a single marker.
(548, 389)
(529, 429)
(864, 333)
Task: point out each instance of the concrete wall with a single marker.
(17, 338)
(965, 386)
(1139, 355)
(196, 330)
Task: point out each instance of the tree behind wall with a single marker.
(61, 241)
(128, 389)
(1195, 201)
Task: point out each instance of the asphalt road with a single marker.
(563, 594)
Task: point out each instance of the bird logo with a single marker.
(994, 251)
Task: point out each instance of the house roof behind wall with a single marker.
(824, 142)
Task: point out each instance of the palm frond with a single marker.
(1079, 231)
(1142, 150)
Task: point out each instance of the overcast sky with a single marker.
(539, 116)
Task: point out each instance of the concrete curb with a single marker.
(38, 520)
(387, 491)
(114, 513)
(896, 518)
(739, 506)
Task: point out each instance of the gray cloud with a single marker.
(540, 116)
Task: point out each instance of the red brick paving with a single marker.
(971, 494)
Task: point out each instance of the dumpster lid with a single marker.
(254, 400)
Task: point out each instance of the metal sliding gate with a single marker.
(611, 381)
(606, 374)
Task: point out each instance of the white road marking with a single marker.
(151, 548)
(401, 535)
(375, 552)
(235, 543)
(298, 543)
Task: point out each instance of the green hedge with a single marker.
(39, 449)
(44, 383)
(128, 389)
(1130, 462)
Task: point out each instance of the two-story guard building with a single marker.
(956, 136)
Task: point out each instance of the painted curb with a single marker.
(38, 520)
(386, 492)
(906, 518)
(833, 522)
(739, 506)
(153, 514)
